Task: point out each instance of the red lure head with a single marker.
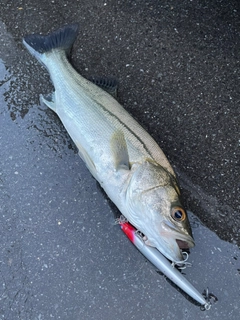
(129, 230)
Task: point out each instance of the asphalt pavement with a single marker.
(62, 256)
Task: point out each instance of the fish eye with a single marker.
(178, 214)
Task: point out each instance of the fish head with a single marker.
(155, 209)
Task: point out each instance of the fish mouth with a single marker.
(183, 240)
(175, 241)
(183, 245)
(179, 243)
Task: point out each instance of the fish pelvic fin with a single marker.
(62, 38)
(119, 151)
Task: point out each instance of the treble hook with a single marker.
(121, 220)
(210, 298)
(182, 264)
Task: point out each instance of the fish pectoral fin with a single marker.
(119, 151)
(109, 84)
(49, 100)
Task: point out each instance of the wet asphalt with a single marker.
(177, 64)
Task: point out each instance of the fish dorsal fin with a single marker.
(119, 151)
(109, 84)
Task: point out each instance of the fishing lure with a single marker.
(159, 261)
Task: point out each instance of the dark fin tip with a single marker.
(62, 38)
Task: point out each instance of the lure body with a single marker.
(159, 261)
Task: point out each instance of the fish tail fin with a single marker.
(61, 39)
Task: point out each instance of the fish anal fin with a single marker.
(48, 100)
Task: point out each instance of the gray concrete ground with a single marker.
(178, 68)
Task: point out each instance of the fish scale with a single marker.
(106, 111)
(119, 153)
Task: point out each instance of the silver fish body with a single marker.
(120, 154)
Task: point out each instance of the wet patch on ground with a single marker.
(60, 244)
(178, 76)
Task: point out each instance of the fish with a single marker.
(120, 154)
